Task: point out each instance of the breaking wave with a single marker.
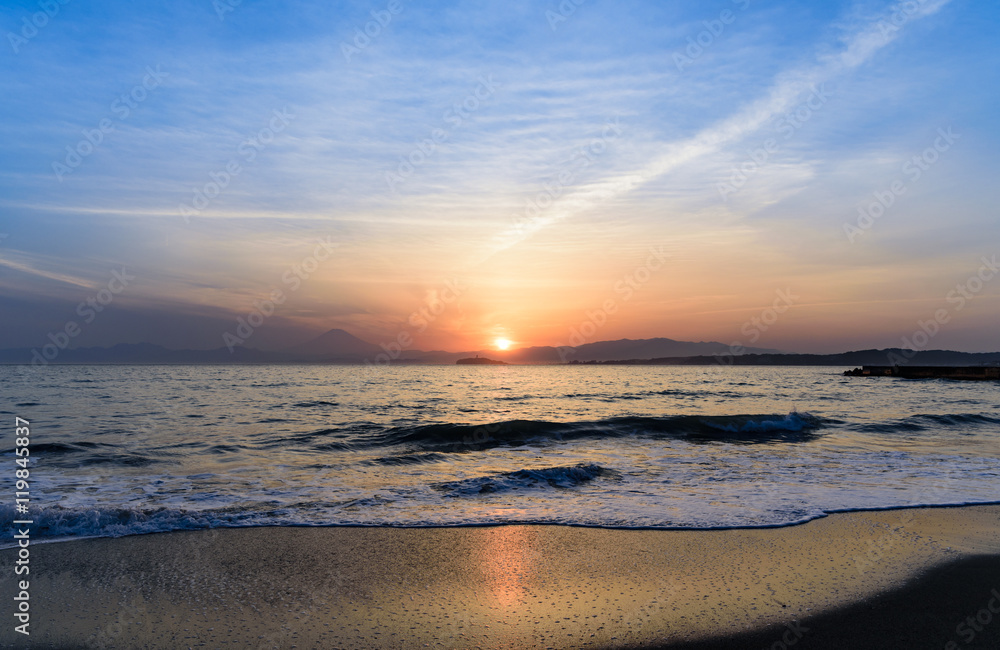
(566, 477)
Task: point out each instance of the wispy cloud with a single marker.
(42, 273)
(863, 43)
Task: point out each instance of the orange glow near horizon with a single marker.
(542, 294)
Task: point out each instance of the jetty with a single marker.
(928, 372)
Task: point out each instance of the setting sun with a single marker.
(501, 343)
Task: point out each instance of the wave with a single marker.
(409, 459)
(63, 447)
(793, 422)
(930, 421)
(953, 419)
(457, 438)
(82, 453)
(747, 429)
(122, 460)
(452, 437)
(56, 522)
(564, 477)
(700, 394)
(225, 449)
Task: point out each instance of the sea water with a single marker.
(122, 450)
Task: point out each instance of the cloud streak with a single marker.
(48, 275)
(789, 89)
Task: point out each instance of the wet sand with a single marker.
(903, 578)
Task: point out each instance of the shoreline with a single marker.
(792, 524)
(518, 585)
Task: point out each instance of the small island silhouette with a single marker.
(480, 361)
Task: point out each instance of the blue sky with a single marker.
(318, 135)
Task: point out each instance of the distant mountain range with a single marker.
(886, 357)
(339, 346)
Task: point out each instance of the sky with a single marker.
(812, 177)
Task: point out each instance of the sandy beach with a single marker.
(902, 578)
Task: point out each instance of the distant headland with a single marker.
(480, 361)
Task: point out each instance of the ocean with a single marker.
(126, 450)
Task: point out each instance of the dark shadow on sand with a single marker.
(929, 612)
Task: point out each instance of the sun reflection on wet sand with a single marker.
(508, 565)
